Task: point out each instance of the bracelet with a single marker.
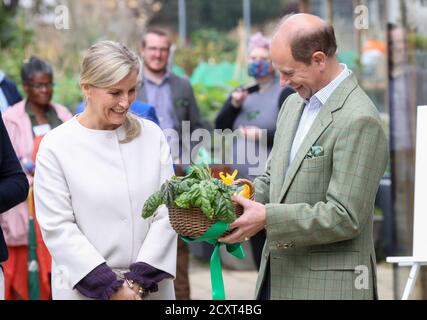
(129, 283)
(141, 290)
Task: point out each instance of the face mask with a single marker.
(259, 69)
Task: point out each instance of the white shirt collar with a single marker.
(323, 94)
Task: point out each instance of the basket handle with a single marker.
(249, 183)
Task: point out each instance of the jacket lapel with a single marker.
(320, 124)
(174, 85)
(290, 128)
(142, 95)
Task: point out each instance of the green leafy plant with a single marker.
(210, 100)
(67, 90)
(16, 37)
(418, 41)
(198, 189)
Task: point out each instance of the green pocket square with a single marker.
(315, 151)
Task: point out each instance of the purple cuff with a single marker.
(146, 275)
(100, 283)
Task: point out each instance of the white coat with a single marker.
(89, 193)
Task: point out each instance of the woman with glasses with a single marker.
(13, 189)
(26, 122)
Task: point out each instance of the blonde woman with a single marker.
(93, 175)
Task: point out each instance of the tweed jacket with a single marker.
(319, 209)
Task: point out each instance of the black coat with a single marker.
(10, 91)
(13, 182)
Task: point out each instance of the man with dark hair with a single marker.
(174, 101)
(154, 31)
(316, 198)
(171, 95)
(13, 188)
(9, 94)
(322, 40)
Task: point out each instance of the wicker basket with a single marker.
(193, 223)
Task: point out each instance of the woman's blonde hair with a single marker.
(105, 64)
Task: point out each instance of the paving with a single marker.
(240, 284)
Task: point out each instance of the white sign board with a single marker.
(420, 201)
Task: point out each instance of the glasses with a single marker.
(155, 49)
(39, 86)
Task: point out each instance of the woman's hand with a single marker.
(125, 293)
(237, 97)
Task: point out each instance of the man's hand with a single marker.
(125, 293)
(249, 223)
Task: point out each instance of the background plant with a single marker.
(206, 45)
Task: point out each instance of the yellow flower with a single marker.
(229, 179)
(246, 191)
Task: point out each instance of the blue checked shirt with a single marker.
(160, 96)
(312, 108)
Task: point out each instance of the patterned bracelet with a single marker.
(141, 290)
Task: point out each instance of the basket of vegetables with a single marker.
(198, 200)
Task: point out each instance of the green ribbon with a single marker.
(210, 236)
(33, 270)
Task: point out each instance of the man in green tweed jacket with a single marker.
(316, 197)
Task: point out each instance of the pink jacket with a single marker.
(18, 124)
